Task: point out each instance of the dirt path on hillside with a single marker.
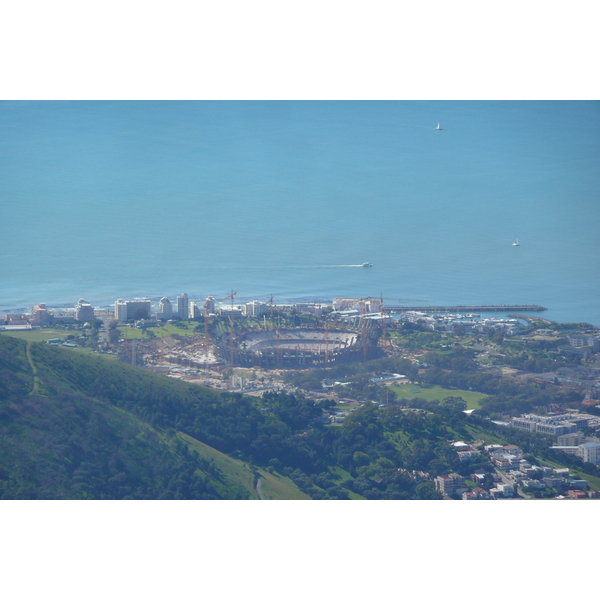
(258, 488)
(36, 381)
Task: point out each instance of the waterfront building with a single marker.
(210, 304)
(256, 309)
(40, 315)
(364, 305)
(84, 311)
(165, 309)
(17, 319)
(132, 309)
(195, 311)
(120, 310)
(183, 307)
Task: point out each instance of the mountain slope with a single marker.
(76, 426)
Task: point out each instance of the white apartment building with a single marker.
(210, 304)
(165, 309)
(132, 309)
(183, 307)
(84, 311)
(363, 305)
(590, 452)
(256, 309)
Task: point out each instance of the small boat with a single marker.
(366, 265)
(438, 128)
(516, 242)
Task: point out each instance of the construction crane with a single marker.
(227, 298)
(270, 303)
(231, 339)
(278, 349)
(207, 341)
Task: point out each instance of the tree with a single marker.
(361, 459)
(455, 402)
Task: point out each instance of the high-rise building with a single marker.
(120, 310)
(183, 307)
(40, 315)
(210, 304)
(84, 311)
(132, 309)
(195, 311)
(165, 309)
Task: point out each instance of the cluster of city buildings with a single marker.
(567, 430)
(513, 476)
(183, 309)
(469, 323)
(558, 424)
(41, 317)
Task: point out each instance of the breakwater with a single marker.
(466, 308)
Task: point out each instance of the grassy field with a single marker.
(274, 487)
(594, 482)
(234, 471)
(132, 333)
(488, 438)
(437, 393)
(277, 487)
(38, 335)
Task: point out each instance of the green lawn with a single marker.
(594, 482)
(237, 472)
(278, 487)
(132, 333)
(39, 335)
(437, 393)
(233, 470)
(488, 438)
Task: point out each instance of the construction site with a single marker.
(296, 348)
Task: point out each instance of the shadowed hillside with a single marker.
(76, 426)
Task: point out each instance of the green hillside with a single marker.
(76, 426)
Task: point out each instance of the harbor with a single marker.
(471, 309)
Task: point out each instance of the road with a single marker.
(258, 488)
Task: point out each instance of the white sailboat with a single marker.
(438, 128)
(516, 242)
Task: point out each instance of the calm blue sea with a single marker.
(107, 200)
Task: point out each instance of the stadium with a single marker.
(296, 348)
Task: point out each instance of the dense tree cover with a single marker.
(312, 379)
(458, 359)
(70, 446)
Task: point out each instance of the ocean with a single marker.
(106, 200)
